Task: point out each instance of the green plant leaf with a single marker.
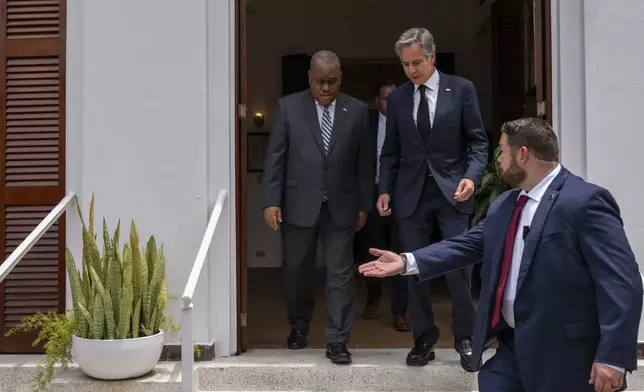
(128, 293)
(136, 319)
(80, 326)
(158, 275)
(137, 265)
(107, 306)
(98, 315)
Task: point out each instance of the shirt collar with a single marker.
(331, 105)
(381, 117)
(539, 190)
(432, 82)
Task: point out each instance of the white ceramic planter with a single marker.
(119, 359)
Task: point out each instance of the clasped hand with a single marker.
(387, 264)
(605, 378)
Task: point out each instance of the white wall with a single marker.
(598, 64)
(352, 29)
(149, 132)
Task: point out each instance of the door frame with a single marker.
(545, 87)
(240, 174)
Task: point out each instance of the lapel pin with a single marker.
(343, 108)
(447, 89)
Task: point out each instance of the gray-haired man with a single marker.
(434, 153)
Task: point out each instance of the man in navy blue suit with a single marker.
(561, 289)
(434, 154)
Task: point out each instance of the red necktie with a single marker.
(508, 248)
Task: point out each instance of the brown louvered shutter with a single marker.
(32, 74)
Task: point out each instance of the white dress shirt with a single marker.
(382, 130)
(527, 214)
(431, 92)
(320, 110)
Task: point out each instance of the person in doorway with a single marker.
(318, 184)
(434, 153)
(561, 288)
(380, 231)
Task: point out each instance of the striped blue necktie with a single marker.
(326, 126)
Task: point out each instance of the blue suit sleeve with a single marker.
(450, 254)
(618, 282)
(475, 135)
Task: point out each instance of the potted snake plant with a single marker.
(115, 328)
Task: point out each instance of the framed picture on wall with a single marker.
(257, 144)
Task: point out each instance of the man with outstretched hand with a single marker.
(561, 289)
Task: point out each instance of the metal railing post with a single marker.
(189, 381)
(188, 372)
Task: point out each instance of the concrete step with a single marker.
(16, 372)
(275, 370)
(309, 370)
(372, 370)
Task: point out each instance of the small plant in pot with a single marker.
(115, 329)
(492, 185)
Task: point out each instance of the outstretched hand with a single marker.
(388, 264)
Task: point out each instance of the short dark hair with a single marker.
(383, 83)
(535, 134)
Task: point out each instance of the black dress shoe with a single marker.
(421, 354)
(469, 367)
(338, 353)
(464, 349)
(296, 340)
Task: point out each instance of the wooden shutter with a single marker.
(32, 79)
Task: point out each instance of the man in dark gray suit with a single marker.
(435, 151)
(318, 183)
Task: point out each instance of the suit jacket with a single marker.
(297, 172)
(457, 149)
(579, 291)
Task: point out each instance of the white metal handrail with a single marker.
(37, 233)
(188, 378)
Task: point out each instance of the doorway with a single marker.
(502, 46)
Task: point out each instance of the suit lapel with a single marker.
(538, 223)
(497, 227)
(443, 100)
(313, 120)
(494, 237)
(338, 119)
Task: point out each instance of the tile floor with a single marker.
(268, 328)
